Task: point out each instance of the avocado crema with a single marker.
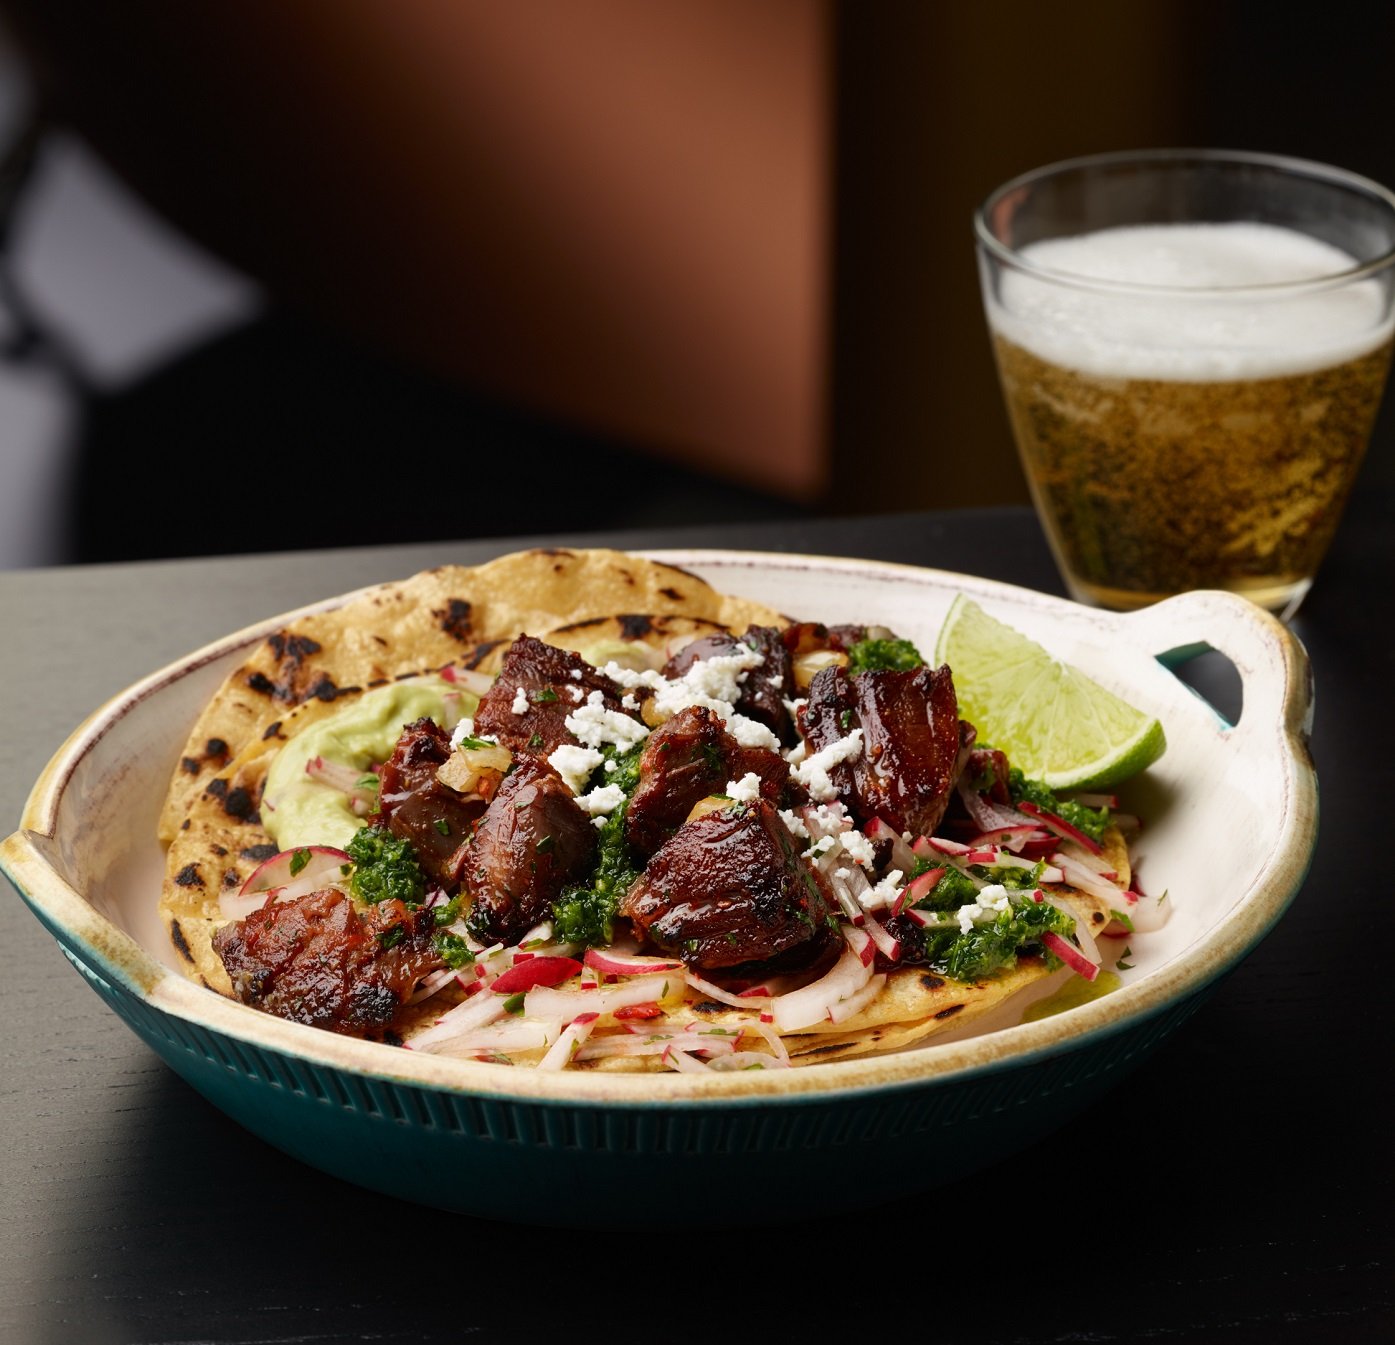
(298, 809)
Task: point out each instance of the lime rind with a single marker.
(1055, 723)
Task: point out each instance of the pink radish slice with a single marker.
(286, 875)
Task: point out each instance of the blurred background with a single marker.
(286, 273)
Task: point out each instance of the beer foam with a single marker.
(1189, 336)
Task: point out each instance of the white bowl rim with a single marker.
(115, 955)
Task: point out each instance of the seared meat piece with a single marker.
(731, 889)
(765, 690)
(687, 758)
(320, 960)
(531, 840)
(986, 769)
(910, 758)
(415, 806)
(543, 675)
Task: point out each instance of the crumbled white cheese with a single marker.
(466, 729)
(595, 725)
(812, 773)
(820, 847)
(603, 800)
(714, 683)
(858, 847)
(797, 753)
(992, 901)
(575, 694)
(794, 823)
(576, 674)
(574, 765)
(882, 894)
(751, 732)
(520, 702)
(744, 790)
(796, 705)
(630, 701)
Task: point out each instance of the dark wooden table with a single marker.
(1236, 1188)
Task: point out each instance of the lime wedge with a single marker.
(1054, 723)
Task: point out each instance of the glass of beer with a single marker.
(1192, 346)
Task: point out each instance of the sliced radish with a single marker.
(1062, 828)
(1070, 955)
(529, 971)
(285, 876)
(312, 864)
(610, 963)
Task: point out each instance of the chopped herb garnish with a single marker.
(535, 742)
(472, 744)
(883, 655)
(1092, 821)
(390, 938)
(1123, 918)
(585, 911)
(452, 949)
(442, 826)
(385, 868)
(514, 1003)
(995, 946)
(542, 696)
(1121, 964)
(299, 860)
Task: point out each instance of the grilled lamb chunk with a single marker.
(415, 806)
(532, 839)
(690, 756)
(731, 889)
(765, 690)
(910, 758)
(319, 960)
(550, 692)
(986, 770)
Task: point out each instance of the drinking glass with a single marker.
(1192, 346)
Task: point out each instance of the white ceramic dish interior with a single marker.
(1229, 813)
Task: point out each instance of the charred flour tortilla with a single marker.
(463, 618)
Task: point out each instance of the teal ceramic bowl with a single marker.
(1230, 821)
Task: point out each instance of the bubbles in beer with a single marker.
(1190, 439)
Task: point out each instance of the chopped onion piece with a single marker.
(744, 1000)
(814, 1002)
(454, 1023)
(545, 1002)
(987, 815)
(561, 1051)
(845, 1009)
(1087, 880)
(467, 679)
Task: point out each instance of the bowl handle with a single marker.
(1275, 677)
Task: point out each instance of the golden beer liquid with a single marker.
(1149, 487)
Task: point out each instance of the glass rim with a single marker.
(1308, 168)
